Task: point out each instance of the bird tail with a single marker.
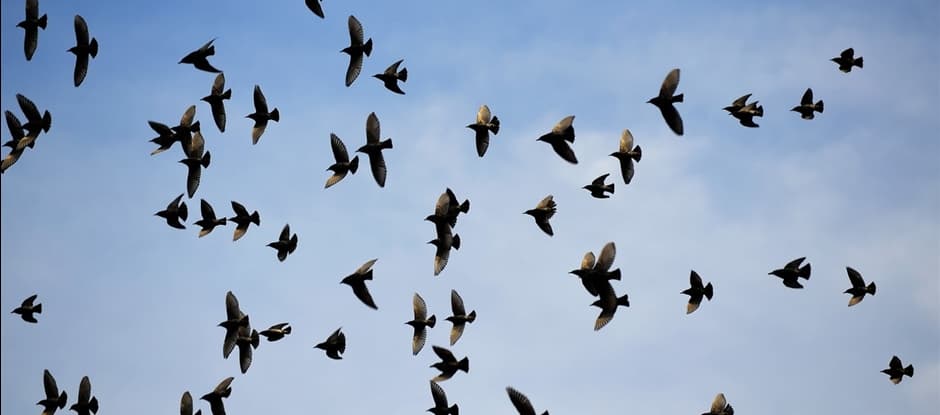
(609, 188)
(614, 275)
(64, 397)
(432, 321)
(909, 371)
(624, 300)
(464, 365)
(255, 339)
(637, 153)
(255, 218)
(37, 308)
(385, 144)
(871, 288)
(472, 316)
(456, 243)
(858, 62)
(494, 125)
(367, 47)
(354, 165)
(227, 94)
(206, 159)
(819, 106)
(222, 221)
(759, 111)
(453, 410)
(43, 20)
(182, 211)
(93, 48)
(93, 405)
(709, 291)
(403, 75)
(678, 98)
(804, 272)
(46, 121)
(276, 115)
(465, 206)
(287, 330)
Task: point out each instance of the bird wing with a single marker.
(670, 83)
(206, 46)
(186, 119)
(261, 104)
(672, 117)
(437, 393)
(627, 170)
(456, 304)
(563, 125)
(315, 7)
(362, 293)
(239, 209)
(196, 146)
(741, 102)
(244, 355)
(807, 97)
(456, 332)
(81, 69)
(545, 226)
(84, 390)
(29, 109)
(847, 54)
(285, 233)
(718, 405)
(373, 129)
(894, 364)
(420, 308)
(32, 9)
(599, 181)
(14, 125)
(418, 340)
(28, 302)
(193, 178)
(208, 214)
(355, 31)
(695, 280)
(626, 141)
(379, 170)
(855, 278)
(186, 404)
(483, 115)
(565, 151)
(365, 267)
(588, 261)
(340, 154)
(444, 354)
(393, 68)
(223, 385)
(232, 311)
(520, 402)
(81, 31)
(52, 390)
(443, 205)
(794, 264)
(354, 68)
(482, 137)
(606, 257)
(218, 86)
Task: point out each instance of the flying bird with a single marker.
(286, 243)
(460, 317)
(175, 212)
(209, 220)
(562, 134)
(216, 100)
(696, 292)
(27, 309)
(53, 400)
(665, 100)
(486, 124)
(199, 57)
(440, 402)
(277, 332)
(792, 272)
(261, 115)
(449, 365)
(222, 390)
(355, 50)
(246, 340)
(720, 406)
(806, 107)
(196, 160)
(895, 370)
(627, 154)
(343, 165)
(335, 345)
(447, 208)
(357, 281)
(234, 320)
(521, 402)
(186, 405)
(592, 274)
(420, 323)
(608, 303)
(31, 25)
(164, 139)
(542, 213)
(745, 112)
(858, 289)
(86, 404)
(315, 7)
(445, 240)
(598, 188)
(374, 147)
(185, 132)
(16, 149)
(83, 49)
(392, 75)
(242, 219)
(847, 60)
(35, 123)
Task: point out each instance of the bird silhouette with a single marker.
(521, 402)
(261, 116)
(31, 25)
(194, 172)
(542, 213)
(858, 289)
(792, 272)
(420, 323)
(447, 208)
(485, 124)
(665, 100)
(54, 400)
(286, 243)
(598, 189)
(592, 274)
(17, 137)
(216, 99)
(745, 112)
(199, 57)
(392, 75)
(374, 147)
(562, 134)
(27, 309)
(209, 220)
(86, 404)
(175, 212)
(720, 406)
(234, 320)
(242, 220)
(83, 49)
(806, 107)
(460, 318)
(440, 402)
(276, 332)
(335, 345)
(449, 365)
(896, 370)
(445, 240)
(222, 390)
(315, 7)
(343, 165)
(186, 405)
(355, 50)
(696, 291)
(35, 123)
(246, 340)
(626, 155)
(357, 281)
(847, 60)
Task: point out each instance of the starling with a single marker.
(175, 212)
(485, 125)
(261, 115)
(216, 100)
(27, 309)
(208, 221)
(627, 154)
(608, 303)
(448, 365)
(343, 165)
(276, 332)
(420, 323)
(199, 57)
(186, 405)
(737, 104)
(184, 132)
(355, 50)
(86, 404)
(315, 7)
(598, 188)
(53, 400)
(447, 208)
(16, 149)
(858, 289)
(242, 219)
(164, 139)
(246, 340)
(895, 370)
(286, 243)
(195, 164)
(562, 134)
(392, 75)
(357, 281)
(35, 123)
(745, 112)
(720, 406)
(544, 211)
(460, 317)
(31, 25)
(373, 149)
(592, 274)
(222, 390)
(791, 273)
(847, 60)
(806, 107)
(335, 345)
(445, 240)
(665, 100)
(440, 402)
(696, 292)
(234, 319)
(83, 49)
(521, 402)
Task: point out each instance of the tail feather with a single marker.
(93, 405)
(37, 308)
(354, 165)
(614, 275)
(472, 316)
(464, 365)
(387, 144)
(403, 75)
(454, 410)
(43, 21)
(909, 370)
(182, 211)
(804, 272)
(275, 115)
(222, 221)
(637, 153)
(64, 397)
(819, 106)
(624, 300)
(709, 291)
(93, 48)
(465, 206)
(494, 125)
(858, 62)
(609, 188)
(46, 121)
(871, 288)
(759, 111)
(227, 94)
(678, 98)
(256, 218)
(456, 242)
(367, 47)
(206, 159)
(255, 339)
(432, 321)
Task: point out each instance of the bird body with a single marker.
(235, 319)
(199, 57)
(449, 365)
(343, 165)
(696, 292)
(792, 272)
(542, 213)
(86, 403)
(242, 220)
(216, 100)
(373, 148)
(460, 318)
(440, 402)
(626, 155)
(221, 391)
(31, 25)
(392, 75)
(261, 116)
(27, 309)
(175, 212)
(847, 60)
(357, 281)
(598, 189)
(286, 243)
(807, 107)
(335, 344)
(561, 135)
(486, 123)
(276, 332)
(859, 289)
(82, 50)
(665, 100)
(53, 400)
(209, 221)
(420, 323)
(896, 370)
(357, 47)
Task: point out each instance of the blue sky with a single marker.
(133, 304)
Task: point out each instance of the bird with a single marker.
(335, 345)
(357, 281)
(745, 112)
(31, 25)
(286, 243)
(261, 116)
(521, 402)
(222, 390)
(208, 221)
(246, 340)
(355, 50)
(608, 303)
(392, 75)
(234, 320)
(460, 318)
(544, 211)
(792, 272)
(445, 240)
(858, 289)
(54, 400)
(562, 134)
(83, 49)
(199, 57)
(86, 404)
(847, 60)
(216, 100)
(720, 406)
(35, 123)
(486, 124)
(195, 164)
(440, 402)
(627, 154)
(186, 405)
(164, 139)
(737, 104)
(184, 133)
(449, 365)
(447, 208)
(598, 188)
(175, 212)
(27, 309)
(420, 323)
(276, 332)
(315, 7)
(665, 100)
(895, 370)
(242, 220)
(593, 274)
(16, 150)
(696, 291)
(343, 165)
(806, 107)
(374, 147)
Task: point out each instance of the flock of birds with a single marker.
(595, 273)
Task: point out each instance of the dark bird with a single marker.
(542, 213)
(261, 115)
(343, 165)
(485, 125)
(17, 137)
(335, 345)
(222, 390)
(246, 341)
(357, 281)
(286, 243)
(448, 365)
(598, 188)
(737, 104)
(242, 219)
(355, 50)
(562, 134)
(186, 133)
(608, 303)
(806, 107)
(445, 240)
(447, 208)
(696, 292)
(392, 75)
(460, 317)
(186, 405)
(27, 309)
(594, 274)
(858, 289)
(420, 323)
(83, 49)
(165, 137)
(195, 162)
(31, 25)
(792, 272)
(86, 404)
(276, 332)
(521, 402)
(209, 220)
(665, 100)
(374, 147)
(35, 123)
(175, 212)
(440, 402)
(199, 57)
(846, 60)
(720, 406)
(216, 100)
(234, 320)
(895, 370)
(53, 400)
(745, 112)
(627, 154)
(315, 7)
(181, 133)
